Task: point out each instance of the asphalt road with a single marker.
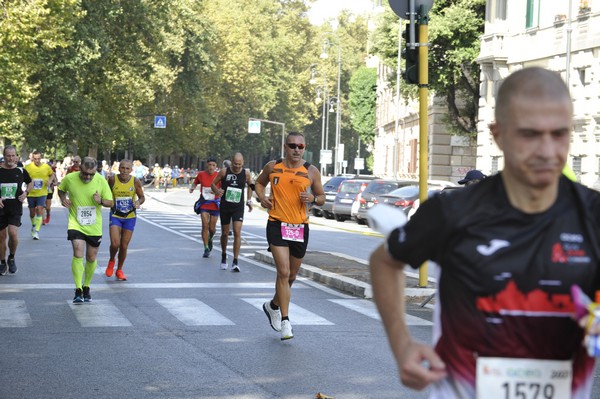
(182, 328)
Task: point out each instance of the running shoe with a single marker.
(223, 265)
(3, 268)
(274, 316)
(36, 235)
(110, 268)
(206, 253)
(86, 294)
(78, 296)
(120, 275)
(235, 268)
(286, 330)
(47, 219)
(12, 266)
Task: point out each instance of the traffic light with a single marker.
(411, 57)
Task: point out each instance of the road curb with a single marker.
(345, 284)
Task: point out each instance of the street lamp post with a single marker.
(338, 118)
(322, 96)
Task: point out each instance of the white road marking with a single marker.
(369, 309)
(193, 312)
(13, 313)
(298, 315)
(99, 313)
(5, 288)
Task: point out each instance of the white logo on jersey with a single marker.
(495, 245)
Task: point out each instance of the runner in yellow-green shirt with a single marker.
(41, 174)
(87, 193)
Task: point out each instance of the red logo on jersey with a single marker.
(558, 255)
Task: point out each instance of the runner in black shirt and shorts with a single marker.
(510, 249)
(234, 180)
(12, 197)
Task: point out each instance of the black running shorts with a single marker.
(297, 249)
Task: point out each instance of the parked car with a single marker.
(347, 197)
(369, 196)
(405, 197)
(417, 202)
(331, 189)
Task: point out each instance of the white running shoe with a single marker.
(274, 316)
(235, 268)
(36, 235)
(223, 266)
(286, 330)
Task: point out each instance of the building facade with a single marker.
(549, 34)
(396, 148)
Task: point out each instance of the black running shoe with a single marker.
(3, 268)
(86, 294)
(78, 296)
(12, 266)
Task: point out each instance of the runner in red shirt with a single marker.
(209, 208)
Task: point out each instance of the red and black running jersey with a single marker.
(506, 277)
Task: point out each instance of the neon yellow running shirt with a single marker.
(39, 176)
(85, 214)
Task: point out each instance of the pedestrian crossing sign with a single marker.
(253, 126)
(160, 122)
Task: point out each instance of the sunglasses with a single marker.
(293, 146)
(87, 174)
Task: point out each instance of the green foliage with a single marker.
(88, 76)
(362, 103)
(455, 27)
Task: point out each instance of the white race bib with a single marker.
(86, 215)
(233, 194)
(8, 190)
(292, 232)
(208, 194)
(502, 378)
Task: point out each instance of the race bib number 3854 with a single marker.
(503, 378)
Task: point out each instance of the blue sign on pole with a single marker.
(160, 122)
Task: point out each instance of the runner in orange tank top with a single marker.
(294, 185)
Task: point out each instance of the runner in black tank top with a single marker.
(234, 180)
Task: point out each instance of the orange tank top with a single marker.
(286, 186)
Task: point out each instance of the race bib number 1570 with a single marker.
(504, 378)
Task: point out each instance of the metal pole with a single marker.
(568, 55)
(338, 119)
(398, 165)
(323, 147)
(423, 126)
(327, 126)
(282, 139)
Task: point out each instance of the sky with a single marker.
(324, 9)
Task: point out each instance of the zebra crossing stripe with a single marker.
(369, 309)
(193, 312)
(99, 313)
(298, 315)
(13, 313)
(361, 306)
